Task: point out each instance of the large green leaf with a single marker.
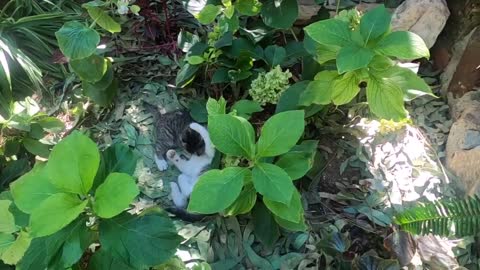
(216, 107)
(275, 55)
(345, 88)
(292, 211)
(353, 57)
(114, 195)
(385, 99)
(104, 20)
(320, 90)
(295, 164)
(403, 45)
(16, 250)
(105, 261)
(272, 182)
(330, 32)
(265, 227)
(77, 41)
(412, 85)
(245, 108)
(232, 135)
(139, 241)
(6, 240)
(208, 14)
(73, 163)
(56, 212)
(375, 23)
(222, 187)
(299, 226)
(90, 69)
(280, 133)
(244, 203)
(101, 96)
(289, 100)
(248, 7)
(30, 190)
(35, 147)
(279, 14)
(7, 220)
(186, 74)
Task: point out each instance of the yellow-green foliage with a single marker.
(268, 87)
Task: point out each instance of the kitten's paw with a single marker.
(161, 163)
(171, 154)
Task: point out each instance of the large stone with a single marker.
(307, 9)
(425, 18)
(463, 144)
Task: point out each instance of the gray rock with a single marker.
(472, 139)
(425, 18)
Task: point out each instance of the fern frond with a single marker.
(451, 217)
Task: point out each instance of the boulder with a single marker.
(425, 18)
(307, 9)
(463, 144)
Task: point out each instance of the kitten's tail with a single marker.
(186, 216)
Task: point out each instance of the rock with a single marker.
(307, 9)
(463, 73)
(425, 18)
(462, 153)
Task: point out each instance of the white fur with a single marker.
(190, 169)
(161, 163)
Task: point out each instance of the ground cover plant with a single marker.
(79, 188)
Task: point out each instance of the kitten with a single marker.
(190, 168)
(172, 131)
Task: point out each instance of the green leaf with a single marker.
(244, 202)
(292, 226)
(265, 227)
(345, 88)
(7, 221)
(195, 60)
(51, 124)
(35, 147)
(77, 241)
(104, 20)
(208, 14)
(139, 241)
(353, 57)
(30, 190)
(321, 53)
(385, 99)
(101, 96)
(380, 63)
(222, 187)
(403, 45)
(232, 135)
(375, 23)
(272, 182)
(77, 41)
(295, 164)
(292, 211)
(135, 9)
(114, 195)
(14, 253)
(280, 133)
(248, 7)
(330, 32)
(220, 76)
(412, 85)
(6, 240)
(275, 55)
(320, 90)
(245, 108)
(186, 74)
(104, 260)
(215, 107)
(90, 69)
(56, 212)
(279, 14)
(73, 163)
(289, 100)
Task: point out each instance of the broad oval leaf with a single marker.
(104, 20)
(353, 57)
(114, 195)
(412, 85)
(345, 88)
(90, 69)
(248, 7)
(244, 203)
(221, 187)
(330, 32)
(280, 133)
(101, 96)
(7, 220)
(375, 23)
(139, 241)
(232, 135)
(265, 227)
(73, 164)
(245, 108)
(385, 99)
(275, 55)
(77, 41)
(279, 14)
(56, 212)
(299, 226)
(208, 14)
(16, 250)
(216, 106)
(295, 164)
(272, 182)
(186, 74)
(32, 188)
(292, 211)
(289, 100)
(320, 90)
(403, 45)
(6, 240)
(35, 147)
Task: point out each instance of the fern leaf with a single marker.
(451, 217)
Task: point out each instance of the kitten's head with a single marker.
(192, 141)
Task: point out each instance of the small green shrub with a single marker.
(56, 211)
